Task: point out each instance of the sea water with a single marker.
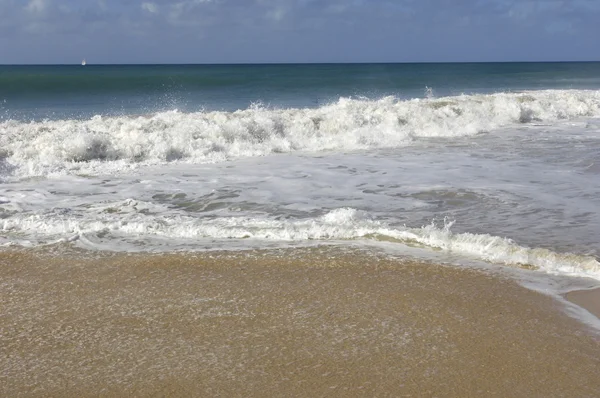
(490, 162)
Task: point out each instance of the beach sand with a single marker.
(295, 322)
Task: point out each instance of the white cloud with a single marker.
(36, 6)
(150, 7)
(276, 14)
(522, 11)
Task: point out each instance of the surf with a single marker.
(131, 220)
(108, 144)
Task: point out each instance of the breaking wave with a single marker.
(109, 144)
(140, 220)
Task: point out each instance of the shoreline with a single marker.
(588, 299)
(305, 321)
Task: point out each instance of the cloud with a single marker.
(534, 9)
(589, 5)
(36, 6)
(150, 7)
(288, 30)
(276, 14)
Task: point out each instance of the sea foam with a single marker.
(134, 220)
(103, 145)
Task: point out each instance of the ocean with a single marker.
(497, 163)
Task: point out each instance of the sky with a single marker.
(265, 31)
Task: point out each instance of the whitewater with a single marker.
(509, 178)
(109, 144)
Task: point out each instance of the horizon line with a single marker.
(299, 63)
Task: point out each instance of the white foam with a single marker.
(139, 220)
(104, 145)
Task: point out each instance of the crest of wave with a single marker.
(106, 144)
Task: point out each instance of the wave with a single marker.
(140, 220)
(108, 144)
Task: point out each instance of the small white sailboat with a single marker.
(83, 63)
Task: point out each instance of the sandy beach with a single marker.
(294, 322)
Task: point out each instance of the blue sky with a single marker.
(224, 31)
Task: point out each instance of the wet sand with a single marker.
(588, 299)
(297, 322)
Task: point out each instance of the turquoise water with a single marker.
(73, 91)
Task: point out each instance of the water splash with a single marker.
(103, 145)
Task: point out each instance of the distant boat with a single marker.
(83, 63)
